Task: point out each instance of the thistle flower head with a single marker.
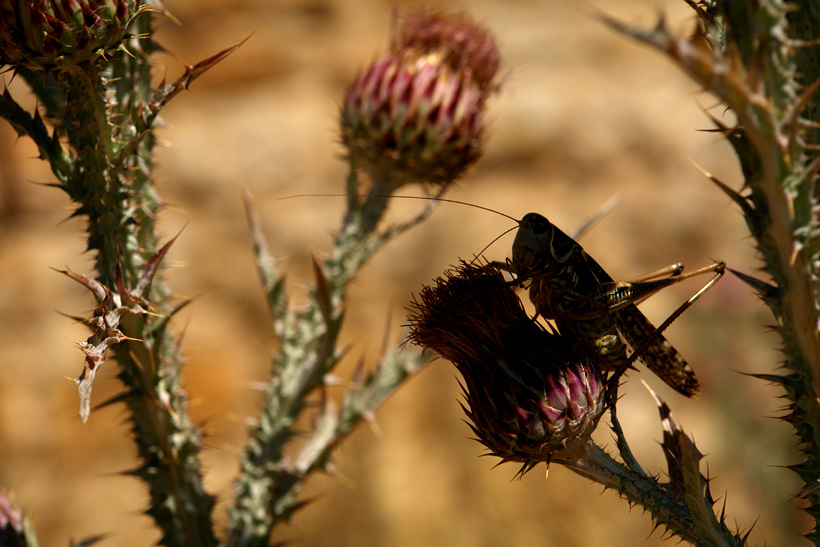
(12, 522)
(459, 43)
(48, 34)
(417, 113)
(527, 392)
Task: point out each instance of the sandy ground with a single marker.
(585, 115)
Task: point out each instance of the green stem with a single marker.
(265, 489)
(116, 194)
(94, 184)
(267, 486)
(150, 366)
(592, 462)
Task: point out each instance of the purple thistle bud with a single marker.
(417, 113)
(527, 391)
(461, 44)
(49, 34)
(12, 522)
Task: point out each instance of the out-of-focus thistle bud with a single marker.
(417, 113)
(12, 523)
(53, 34)
(527, 391)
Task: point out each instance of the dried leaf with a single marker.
(97, 289)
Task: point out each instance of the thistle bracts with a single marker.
(56, 34)
(417, 113)
(527, 393)
(759, 59)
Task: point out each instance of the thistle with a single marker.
(417, 113)
(43, 35)
(533, 397)
(414, 116)
(103, 107)
(759, 59)
(15, 528)
(527, 392)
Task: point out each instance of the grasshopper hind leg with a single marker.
(650, 347)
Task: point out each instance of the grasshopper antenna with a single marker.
(488, 245)
(425, 198)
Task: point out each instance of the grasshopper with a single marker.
(569, 287)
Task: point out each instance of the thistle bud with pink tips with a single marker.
(416, 114)
(528, 391)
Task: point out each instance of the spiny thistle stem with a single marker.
(760, 59)
(104, 104)
(387, 127)
(267, 488)
(592, 462)
(149, 365)
(95, 184)
(167, 440)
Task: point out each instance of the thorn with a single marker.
(323, 296)
(258, 386)
(797, 248)
(346, 481)
(374, 426)
(164, 11)
(125, 50)
(144, 286)
(602, 211)
(331, 380)
(752, 217)
(769, 292)
(96, 288)
(799, 105)
(76, 318)
(358, 376)
(192, 72)
(79, 345)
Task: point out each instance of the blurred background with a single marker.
(584, 115)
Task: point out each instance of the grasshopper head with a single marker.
(539, 246)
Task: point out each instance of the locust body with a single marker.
(568, 286)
